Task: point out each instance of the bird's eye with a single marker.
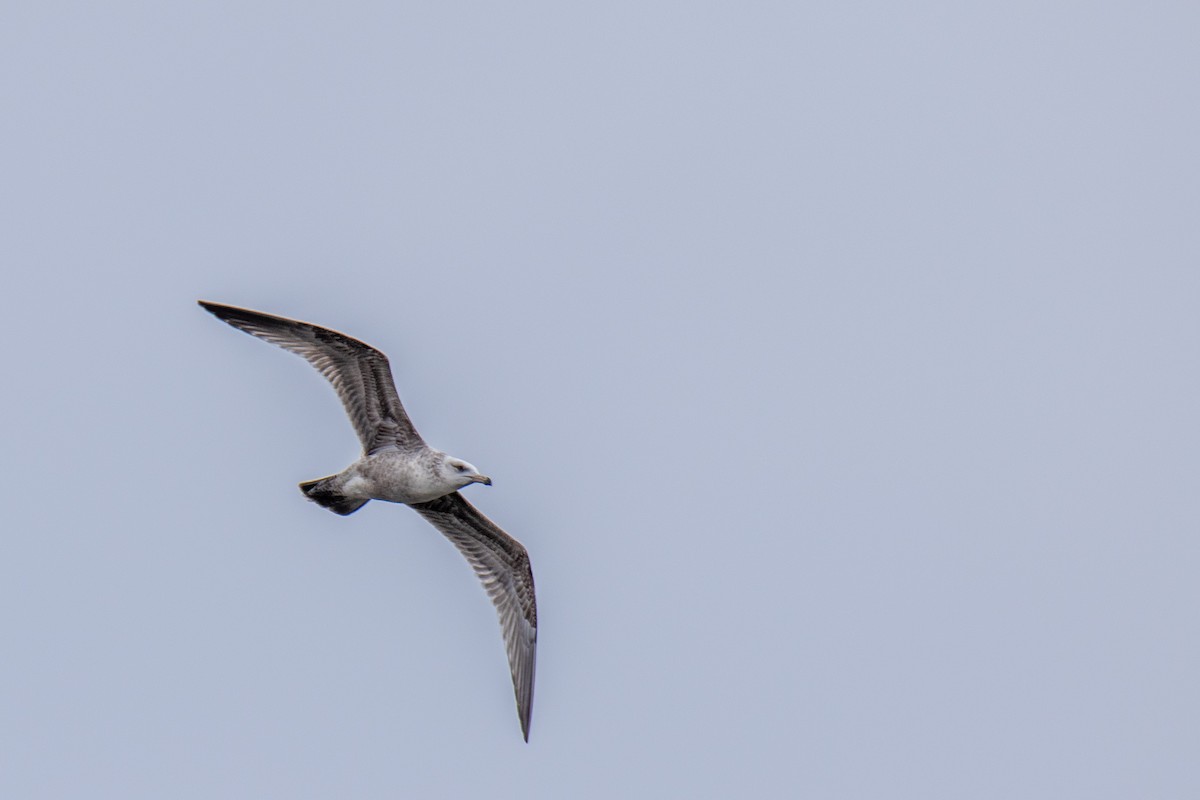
(460, 467)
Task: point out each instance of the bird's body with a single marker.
(395, 476)
(398, 467)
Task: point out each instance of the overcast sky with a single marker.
(838, 364)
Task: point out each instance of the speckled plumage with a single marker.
(396, 476)
(398, 467)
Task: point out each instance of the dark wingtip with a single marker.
(235, 315)
(525, 716)
(212, 308)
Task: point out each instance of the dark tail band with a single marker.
(323, 493)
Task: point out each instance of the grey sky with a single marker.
(837, 364)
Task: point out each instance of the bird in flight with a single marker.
(397, 466)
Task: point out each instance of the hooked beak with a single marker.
(484, 479)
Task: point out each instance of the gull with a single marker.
(397, 466)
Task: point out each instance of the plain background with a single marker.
(836, 362)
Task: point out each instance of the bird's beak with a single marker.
(484, 479)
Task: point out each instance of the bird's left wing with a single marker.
(502, 564)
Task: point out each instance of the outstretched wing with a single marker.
(502, 564)
(360, 374)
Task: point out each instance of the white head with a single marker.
(461, 474)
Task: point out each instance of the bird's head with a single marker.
(462, 474)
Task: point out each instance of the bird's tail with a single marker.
(325, 492)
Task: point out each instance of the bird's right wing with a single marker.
(502, 564)
(360, 374)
